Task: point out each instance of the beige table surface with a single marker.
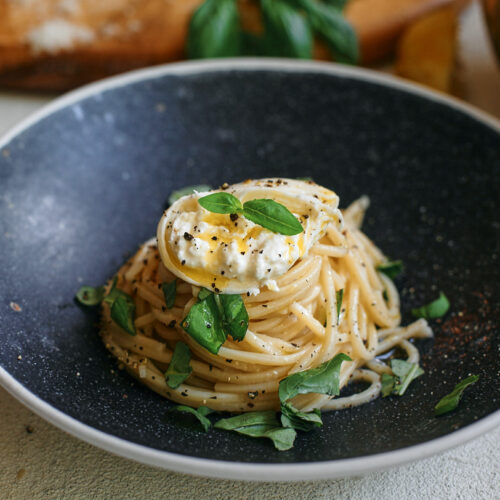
(49, 464)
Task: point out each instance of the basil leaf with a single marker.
(267, 418)
(260, 424)
(199, 413)
(451, 400)
(122, 308)
(339, 295)
(287, 32)
(175, 195)
(406, 373)
(123, 313)
(234, 315)
(388, 382)
(299, 420)
(90, 296)
(215, 317)
(435, 309)
(324, 379)
(169, 292)
(273, 216)
(391, 269)
(179, 369)
(204, 323)
(221, 203)
(282, 439)
(329, 23)
(400, 367)
(214, 30)
(204, 293)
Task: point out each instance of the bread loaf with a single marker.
(60, 44)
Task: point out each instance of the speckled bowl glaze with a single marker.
(84, 182)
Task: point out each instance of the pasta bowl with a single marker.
(85, 181)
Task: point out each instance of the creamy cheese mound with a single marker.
(231, 254)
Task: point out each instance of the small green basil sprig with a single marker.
(90, 296)
(404, 374)
(391, 268)
(260, 424)
(435, 309)
(450, 401)
(169, 293)
(214, 317)
(265, 212)
(289, 28)
(200, 414)
(179, 367)
(323, 379)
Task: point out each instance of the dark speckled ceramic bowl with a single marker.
(84, 181)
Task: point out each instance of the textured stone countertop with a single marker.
(39, 461)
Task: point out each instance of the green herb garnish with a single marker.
(273, 216)
(339, 295)
(213, 318)
(435, 309)
(200, 413)
(264, 212)
(175, 195)
(299, 420)
(324, 379)
(123, 314)
(287, 32)
(289, 28)
(328, 22)
(169, 292)
(451, 400)
(234, 315)
(260, 424)
(404, 374)
(90, 296)
(214, 30)
(391, 269)
(179, 369)
(122, 308)
(221, 203)
(204, 324)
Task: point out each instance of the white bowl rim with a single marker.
(242, 470)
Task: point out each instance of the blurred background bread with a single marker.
(59, 44)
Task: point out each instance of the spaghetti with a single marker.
(293, 326)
